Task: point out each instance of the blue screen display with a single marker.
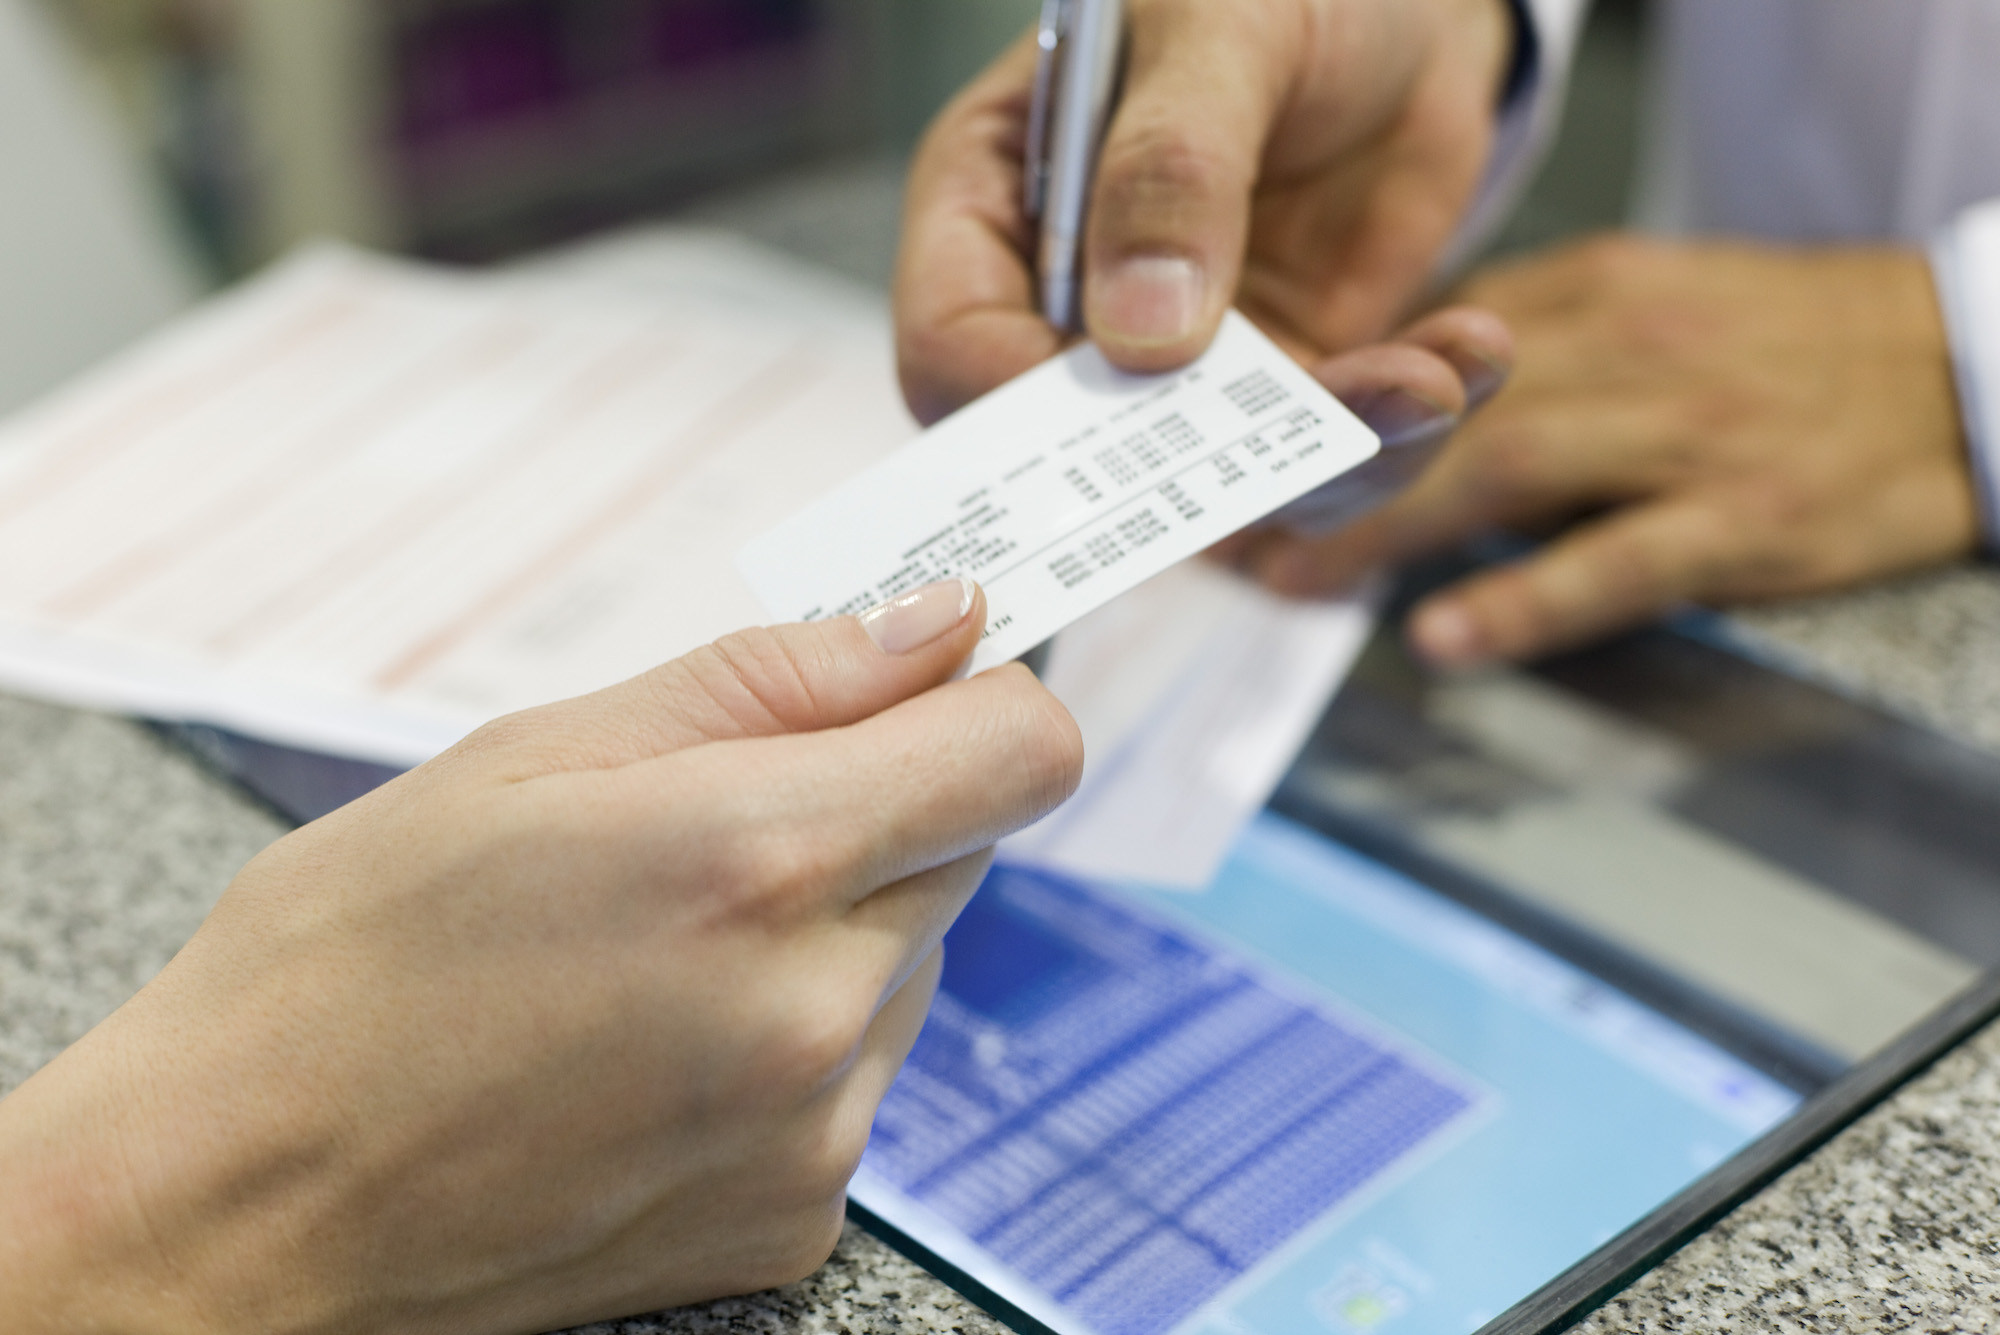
(1317, 1097)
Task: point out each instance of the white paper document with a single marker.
(361, 506)
(1065, 488)
(1194, 693)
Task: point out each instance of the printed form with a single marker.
(361, 506)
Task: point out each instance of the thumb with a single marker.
(758, 683)
(1171, 209)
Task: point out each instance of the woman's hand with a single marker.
(588, 1016)
(1308, 160)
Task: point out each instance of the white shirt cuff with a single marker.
(1966, 263)
(1527, 125)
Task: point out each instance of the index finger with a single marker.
(1603, 577)
(837, 815)
(966, 314)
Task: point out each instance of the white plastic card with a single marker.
(1065, 488)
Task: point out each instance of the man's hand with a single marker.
(1707, 422)
(1306, 160)
(589, 1016)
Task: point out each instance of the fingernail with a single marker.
(1396, 415)
(907, 623)
(1148, 299)
(1446, 634)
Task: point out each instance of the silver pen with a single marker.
(1076, 85)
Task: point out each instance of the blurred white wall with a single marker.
(87, 258)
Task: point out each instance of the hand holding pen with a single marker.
(1306, 160)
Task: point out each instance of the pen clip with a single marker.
(1049, 35)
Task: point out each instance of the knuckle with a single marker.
(819, 1048)
(778, 871)
(1714, 413)
(1511, 606)
(831, 1164)
(813, 1038)
(1775, 501)
(1056, 757)
(1763, 539)
(1627, 577)
(1048, 741)
(1634, 572)
(1659, 325)
(514, 746)
(1510, 460)
(505, 735)
(757, 676)
(1153, 168)
(1615, 580)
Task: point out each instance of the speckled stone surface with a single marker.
(113, 844)
(1893, 1226)
(112, 849)
(1926, 646)
(866, 1289)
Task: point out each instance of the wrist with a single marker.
(133, 1203)
(74, 1248)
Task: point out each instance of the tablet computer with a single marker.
(1523, 979)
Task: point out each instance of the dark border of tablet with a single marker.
(1608, 1271)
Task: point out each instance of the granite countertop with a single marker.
(113, 844)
